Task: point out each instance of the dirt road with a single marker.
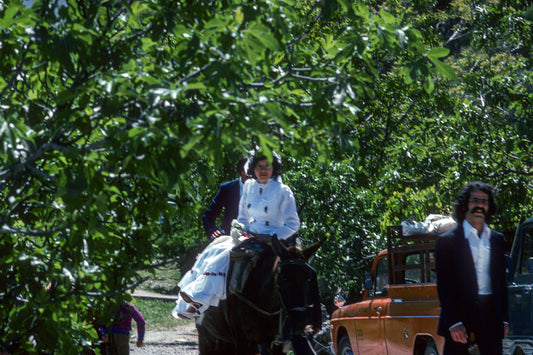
(182, 340)
(179, 340)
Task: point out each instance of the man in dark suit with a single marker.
(471, 282)
(227, 198)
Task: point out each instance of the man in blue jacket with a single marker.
(471, 282)
(227, 199)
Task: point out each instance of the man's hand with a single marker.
(310, 331)
(459, 334)
(215, 235)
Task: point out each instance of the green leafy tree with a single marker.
(412, 149)
(120, 118)
(112, 109)
(333, 204)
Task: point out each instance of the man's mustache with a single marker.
(479, 209)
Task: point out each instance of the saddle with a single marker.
(243, 259)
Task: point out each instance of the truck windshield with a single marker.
(382, 277)
(526, 266)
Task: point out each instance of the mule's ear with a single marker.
(279, 248)
(310, 250)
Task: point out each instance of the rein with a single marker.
(278, 339)
(256, 307)
(275, 268)
(283, 309)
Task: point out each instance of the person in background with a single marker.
(227, 199)
(471, 282)
(117, 336)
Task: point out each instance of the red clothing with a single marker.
(122, 324)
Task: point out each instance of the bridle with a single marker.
(300, 263)
(283, 311)
(275, 270)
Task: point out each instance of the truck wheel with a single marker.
(344, 347)
(431, 348)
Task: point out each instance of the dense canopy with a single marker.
(119, 118)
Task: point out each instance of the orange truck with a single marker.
(400, 307)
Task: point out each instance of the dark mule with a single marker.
(279, 301)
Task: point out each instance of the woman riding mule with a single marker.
(267, 208)
(278, 306)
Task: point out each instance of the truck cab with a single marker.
(520, 338)
(400, 309)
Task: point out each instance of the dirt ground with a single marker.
(181, 340)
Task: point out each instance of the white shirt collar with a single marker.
(468, 228)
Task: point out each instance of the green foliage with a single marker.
(120, 118)
(333, 205)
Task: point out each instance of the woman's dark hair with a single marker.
(258, 156)
(461, 203)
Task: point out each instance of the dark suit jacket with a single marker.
(227, 198)
(457, 281)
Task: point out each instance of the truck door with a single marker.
(370, 314)
(520, 289)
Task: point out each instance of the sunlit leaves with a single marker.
(444, 69)
(110, 110)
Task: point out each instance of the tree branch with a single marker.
(35, 233)
(7, 174)
(117, 292)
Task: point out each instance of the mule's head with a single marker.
(298, 288)
(291, 252)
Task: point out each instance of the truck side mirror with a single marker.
(507, 262)
(508, 268)
(339, 301)
(529, 265)
(368, 281)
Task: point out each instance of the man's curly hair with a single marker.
(461, 203)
